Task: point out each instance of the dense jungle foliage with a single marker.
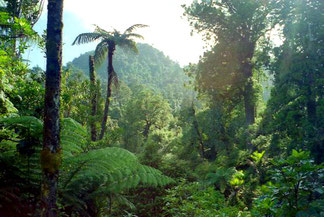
(240, 133)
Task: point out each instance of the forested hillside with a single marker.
(150, 67)
(124, 131)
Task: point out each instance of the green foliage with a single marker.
(26, 125)
(293, 113)
(29, 10)
(10, 69)
(296, 188)
(222, 177)
(87, 174)
(227, 72)
(150, 68)
(193, 199)
(144, 118)
(196, 134)
(16, 24)
(98, 173)
(28, 96)
(15, 81)
(20, 175)
(75, 95)
(257, 157)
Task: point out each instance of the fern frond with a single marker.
(73, 137)
(133, 35)
(87, 37)
(101, 52)
(102, 31)
(129, 44)
(123, 200)
(83, 175)
(114, 169)
(135, 26)
(34, 125)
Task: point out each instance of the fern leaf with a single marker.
(134, 27)
(86, 38)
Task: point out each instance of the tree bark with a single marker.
(93, 94)
(111, 50)
(51, 153)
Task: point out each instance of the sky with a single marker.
(168, 31)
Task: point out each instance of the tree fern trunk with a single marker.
(93, 95)
(51, 153)
(111, 50)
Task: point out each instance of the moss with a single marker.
(51, 161)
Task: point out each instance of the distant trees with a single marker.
(51, 153)
(144, 113)
(108, 43)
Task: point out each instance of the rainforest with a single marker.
(132, 128)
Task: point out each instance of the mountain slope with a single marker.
(150, 68)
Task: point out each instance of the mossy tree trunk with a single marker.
(93, 95)
(51, 153)
(111, 49)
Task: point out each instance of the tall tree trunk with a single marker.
(51, 153)
(111, 50)
(248, 93)
(93, 94)
(313, 134)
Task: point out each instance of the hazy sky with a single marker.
(168, 32)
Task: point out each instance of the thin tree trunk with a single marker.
(93, 94)
(200, 138)
(111, 50)
(146, 129)
(311, 100)
(51, 153)
(249, 103)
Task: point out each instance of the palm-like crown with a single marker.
(109, 39)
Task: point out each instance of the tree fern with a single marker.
(86, 174)
(100, 173)
(73, 137)
(20, 172)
